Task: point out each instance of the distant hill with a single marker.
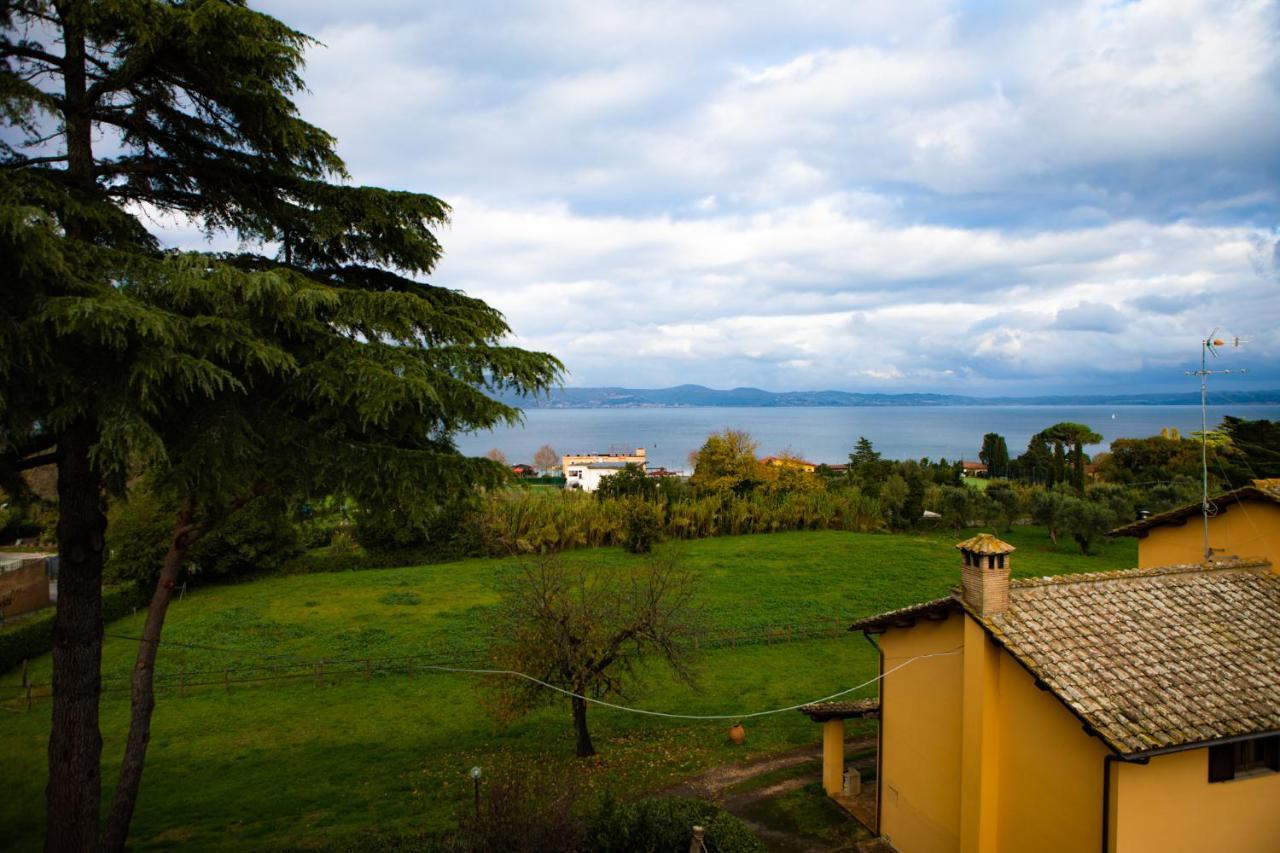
(698, 395)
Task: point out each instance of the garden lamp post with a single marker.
(475, 777)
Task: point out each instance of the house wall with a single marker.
(572, 459)
(1050, 771)
(28, 586)
(1171, 806)
(1250, 528)
(587, 479)
(920, 738)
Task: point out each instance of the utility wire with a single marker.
(646, 712)
(570, 693)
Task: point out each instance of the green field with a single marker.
(334, 757)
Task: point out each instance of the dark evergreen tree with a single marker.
(1036, 463)
(1073, 436)
(995, 454)
(1255, 450)
(326, 362)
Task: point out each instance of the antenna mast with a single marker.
(1207, 348)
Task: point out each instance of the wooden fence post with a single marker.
(695, 843)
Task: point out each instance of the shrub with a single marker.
(642, 526)
(443, 529)
(138, 534)
(34, 637)
(258, 537)
(521, 815)
(663, 825)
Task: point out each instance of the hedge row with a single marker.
(35, 636)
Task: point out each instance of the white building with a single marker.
(587, 475)
(585, 471)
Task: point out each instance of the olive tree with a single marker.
(585, 628)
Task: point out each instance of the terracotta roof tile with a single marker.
(985, 543)
(1156, 658)
(843, 709)
(905, 615)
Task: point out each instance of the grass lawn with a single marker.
(324, 762)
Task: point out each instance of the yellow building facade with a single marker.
(997, 735)
(1244, 522)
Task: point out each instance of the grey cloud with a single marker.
(1090, 317)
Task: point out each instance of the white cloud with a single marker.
(929, 195)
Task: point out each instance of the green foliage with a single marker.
(1075, 436)
(995, 454)
(956, 505)
(1036, 464)
(1086, 521)
(1049, 508)
(642, 526)
(1007, 503)
(585, 629)
(33, 637)
(665, 825)
(1157, 459)
(726, 463)
(139, 531)
(894, 497)
(440, 528)
(631, 481)
(1255, 450)
(257, 537)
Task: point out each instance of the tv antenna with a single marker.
(1208, 347)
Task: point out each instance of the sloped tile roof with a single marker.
(1155, 658)
(936, 608)
(842, 710)
(1259, 490)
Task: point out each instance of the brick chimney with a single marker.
(985, 573)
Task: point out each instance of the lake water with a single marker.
(828, 434)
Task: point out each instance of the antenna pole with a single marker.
(1206, 348)
(1204, 445)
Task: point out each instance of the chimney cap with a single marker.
(985, 543)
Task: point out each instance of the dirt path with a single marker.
(716, 783)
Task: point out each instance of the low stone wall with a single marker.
(24, 588)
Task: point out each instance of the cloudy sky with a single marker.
(883, 196)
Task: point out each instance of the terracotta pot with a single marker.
(737, 733)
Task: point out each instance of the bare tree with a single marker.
(497, 456)
(584, 628)
(546, 459)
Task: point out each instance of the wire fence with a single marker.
(279, 669)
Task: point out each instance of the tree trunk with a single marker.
(142, 687)
(585, 748)
(75, 744)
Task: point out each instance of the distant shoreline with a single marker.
(697, 396)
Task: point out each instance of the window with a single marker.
(1244, 758)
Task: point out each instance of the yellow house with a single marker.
(790, 462)
(1242, 522)
(1118, 711)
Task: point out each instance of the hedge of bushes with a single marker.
(34, 637)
